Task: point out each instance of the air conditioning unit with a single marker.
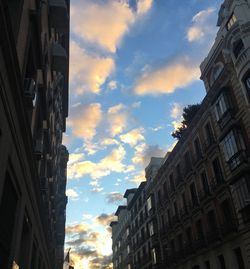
(44, 184)
(29, 88)
(39, 148)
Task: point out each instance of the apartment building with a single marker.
(34, 63)
(201, 190)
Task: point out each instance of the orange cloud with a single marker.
(84, 120)
(88, 72)
(133, 137)
(168, 78)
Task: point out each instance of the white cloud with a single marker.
(72, 194)
(168, 78)
(133, 137)
(117, 118)
(111, 163)
(84, 120)
(144, 152)
(176, 110)
(112, 85)
(201, 26)
(88, 72)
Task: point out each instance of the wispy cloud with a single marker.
(201, 26)
(166, 79)
(114, 197)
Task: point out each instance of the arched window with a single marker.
(238, 48)
(218, 68)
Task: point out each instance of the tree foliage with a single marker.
(188, 114)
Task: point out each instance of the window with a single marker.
(217, 171)
(180, 241)
(217, 70)
(197, 148)
(221, 106)
(171, 180)
(193, 194)
(189, 238)
(128, 249)
(151, 228)
(211, 221)
(207, 265)
(233, 145)
(239, 258)
(222, 262)
(232, 20)
(208, 134)
(199, 229)
(238, 48)
(149, 203)
(154, 256)
(187, 162)
(8, 206)
(127, 232)
(176, 209)
(204, 180)
(129, 266)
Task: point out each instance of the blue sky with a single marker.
(134, 65)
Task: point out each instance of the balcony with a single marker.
(225, 118)
(59, 17)
(238, 158)
(59, 58)
(242, 61)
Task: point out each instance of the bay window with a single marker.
(221, 106)
(234, 148)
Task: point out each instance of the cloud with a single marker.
(167, 78)
(105, 23)
(144, 152)
(84, 120)
(110, 163)
(102, 23)
(157, 128)
(89, 248)
(138, 178)
(114, 197)
(112, 85)
(109, 141)
(144, 6)
(176, 110)
(75, 157)
(105, 219)
(176, 114)
(201, 26)
(133, 137)
(117, 118)
(72, 194)
(88, 72)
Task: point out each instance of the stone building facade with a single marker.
(202, 189)
(34, 64)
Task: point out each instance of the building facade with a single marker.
(201, 190)
(34, 64)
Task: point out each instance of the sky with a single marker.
(134, 65)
